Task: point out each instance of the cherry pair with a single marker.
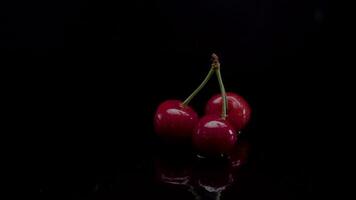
(216, 132)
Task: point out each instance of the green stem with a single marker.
(223, 93)
(196, 91)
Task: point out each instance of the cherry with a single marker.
(214, 135)
(238, 110)
(173, 120)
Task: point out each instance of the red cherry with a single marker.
(175, 121)
(238, 110)
(214, 135)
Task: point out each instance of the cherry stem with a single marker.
(221, 84)
(196, 91)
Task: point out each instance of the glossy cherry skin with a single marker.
(238, 110)
(214, 136)
(175, 122)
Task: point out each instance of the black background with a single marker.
(101, 69)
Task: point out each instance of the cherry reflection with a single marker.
(204, 178)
